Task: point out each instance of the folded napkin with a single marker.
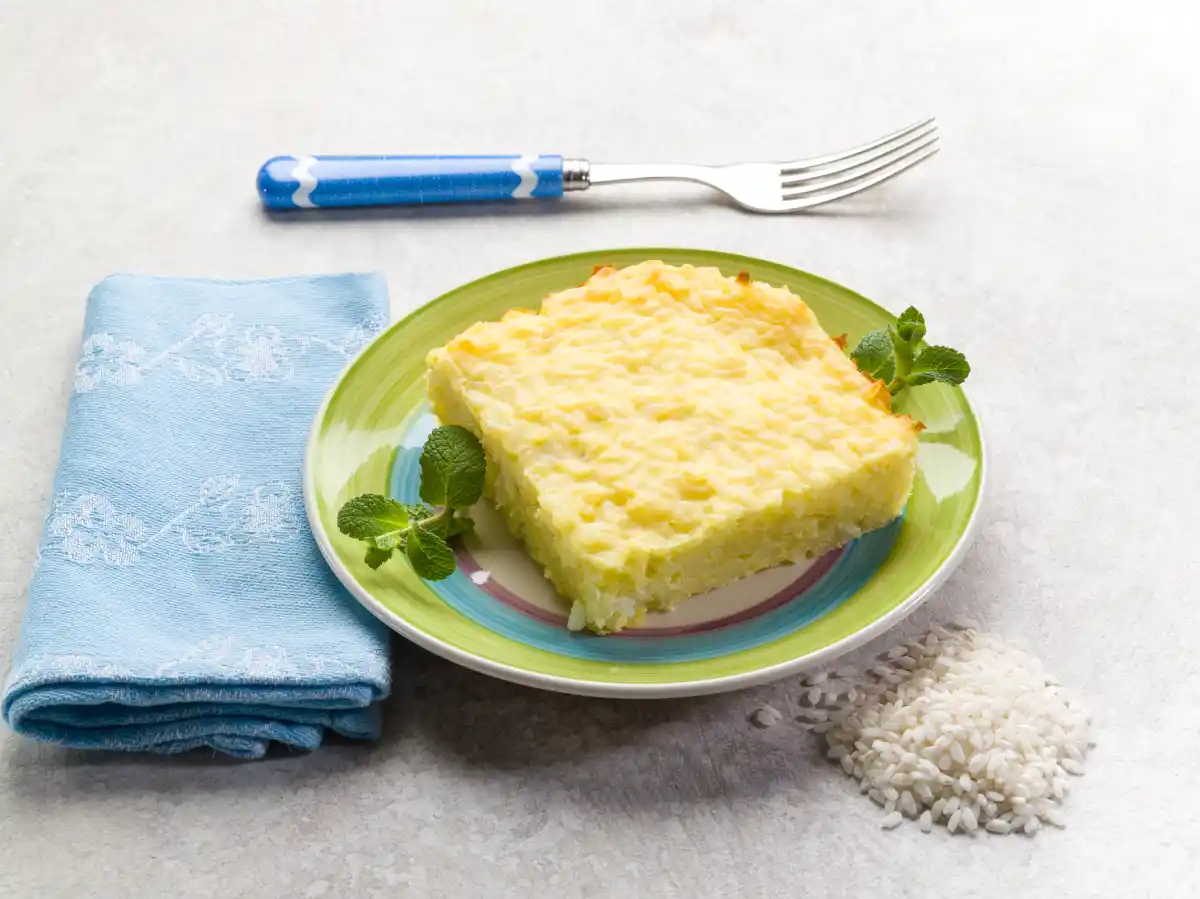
(178, 598)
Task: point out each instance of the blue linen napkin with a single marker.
(178, 599)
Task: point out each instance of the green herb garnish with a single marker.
(452, 469)
(894, 355)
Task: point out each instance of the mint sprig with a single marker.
(452, 474)
(895, 356)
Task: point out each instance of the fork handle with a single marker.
(305, 182)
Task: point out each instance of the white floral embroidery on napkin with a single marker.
(87, 528)
(213, 352)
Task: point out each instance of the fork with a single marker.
(306, 182)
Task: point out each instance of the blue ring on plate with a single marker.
(860, 560)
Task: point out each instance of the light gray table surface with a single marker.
(1052, 240)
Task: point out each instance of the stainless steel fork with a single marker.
(788, 186)
(304, 182)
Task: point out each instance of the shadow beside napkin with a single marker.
(178, 599)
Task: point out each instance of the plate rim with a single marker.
(617, 690)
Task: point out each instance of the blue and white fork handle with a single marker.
(306, 182)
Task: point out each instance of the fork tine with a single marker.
(807, 201)
(788, 168)
(919, 139)
(816, 182)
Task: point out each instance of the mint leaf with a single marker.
(459, 524)
(377, 556)
(371, 515)
(449, 524)
(911, 326)
(938, 363)
(419, 511)
(874, 356)
(429, 555)
(391, 540)
(452, 467)
(418, 514)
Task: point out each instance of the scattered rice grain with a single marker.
(957, 726)
(765, 716)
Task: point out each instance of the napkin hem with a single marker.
(238, 282)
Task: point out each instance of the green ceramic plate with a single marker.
(498, 615)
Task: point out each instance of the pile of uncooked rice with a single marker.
(957, 728)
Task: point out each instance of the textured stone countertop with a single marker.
(1052, 240)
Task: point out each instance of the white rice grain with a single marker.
(1053, 816)
(969, 821)
(766, 716)
(956, 727)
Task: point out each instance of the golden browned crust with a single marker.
(877, 394)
